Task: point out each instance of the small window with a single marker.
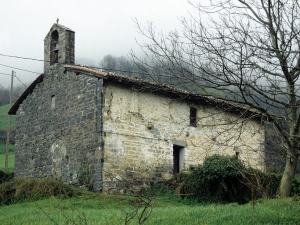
(53, 102)
(192, 167)
(237, 154)
(193, 117)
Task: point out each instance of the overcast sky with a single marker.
(101, 27)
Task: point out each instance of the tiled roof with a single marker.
(171, 91)
(145, 85)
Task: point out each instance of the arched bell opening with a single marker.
(54, 47)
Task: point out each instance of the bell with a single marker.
(56, 48)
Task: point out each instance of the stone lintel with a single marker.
(179, 143)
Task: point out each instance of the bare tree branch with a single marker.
(242, 52)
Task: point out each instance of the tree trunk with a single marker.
(288, 176)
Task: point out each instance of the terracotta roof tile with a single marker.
(145, 85)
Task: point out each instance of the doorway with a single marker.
(178, 159)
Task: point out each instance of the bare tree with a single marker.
(109, 62)
(120, 64)
(5, 92)
(242, 51)
(85, 61)
(4, 96)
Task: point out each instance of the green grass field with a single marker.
(109, 209)
(11, 157)
(3, 126)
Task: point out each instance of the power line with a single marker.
(19, 69)
(20, 81)
(14, 76)
(6, 74)
(101, 68)
(40, 60)
(19, 57)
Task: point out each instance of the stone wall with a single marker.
(59, 129)
(78, 129)
(142, 129)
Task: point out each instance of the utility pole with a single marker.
(9, 125)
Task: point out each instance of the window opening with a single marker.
(237, 154)
(192, 167)
(54, 48)
(193, 117)
(52, 101)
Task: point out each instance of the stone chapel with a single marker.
(85, 126)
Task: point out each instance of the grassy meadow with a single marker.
(3, 126)
(109, 209)
(90, 208)
(4, 117)
(11, 158)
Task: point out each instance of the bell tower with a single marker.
(59, 46)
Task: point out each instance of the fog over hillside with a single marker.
(101, 27)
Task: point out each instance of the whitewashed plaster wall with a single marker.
(140, 129)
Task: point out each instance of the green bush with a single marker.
(226, 179)
(273, 183)
(296, 187)
(85, 177)
(262, 184)
(19, 189)
(7, 192)
(5, 176)
(219, 179)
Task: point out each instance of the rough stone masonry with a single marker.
(115, 133)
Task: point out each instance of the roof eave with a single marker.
(170, 91)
